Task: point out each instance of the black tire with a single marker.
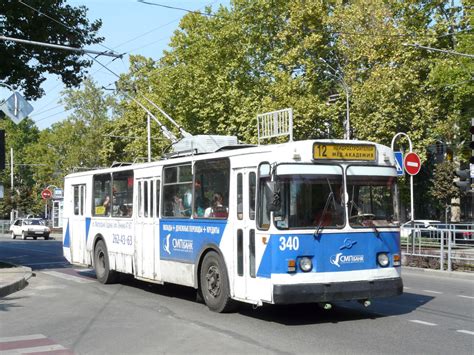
(214, 284)
(102, 266)
(23, 235)
(35, 238)
(13, 235)
(46, 237)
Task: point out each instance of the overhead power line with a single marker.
(177, 8)
(416, 45)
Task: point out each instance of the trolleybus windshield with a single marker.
(311, 196)
(372, 196)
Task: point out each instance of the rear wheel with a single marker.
(102, 266)
(13, 235)
(214, 284)
(46, 237)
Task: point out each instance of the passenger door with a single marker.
(245, 264)
(77, 224)
(147, 229)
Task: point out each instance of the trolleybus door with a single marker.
(146, 232)
(244, 246)
(77, 224)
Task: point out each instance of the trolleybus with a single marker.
(297, 222)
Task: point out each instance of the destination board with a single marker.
(364, 152)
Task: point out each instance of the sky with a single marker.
(127, 26)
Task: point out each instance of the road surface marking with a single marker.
(470, 297)
(68, 277)
(22, 337)
(431, 291)
(423, 322)
(30, 344)
(465, 331)
(406, 288)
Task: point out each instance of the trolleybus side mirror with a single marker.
(264, 170)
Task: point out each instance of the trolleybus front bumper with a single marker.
(337, 291)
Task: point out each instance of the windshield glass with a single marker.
(371, 192)
(312, 198)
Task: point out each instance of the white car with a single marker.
(426, 225)
(30, 227)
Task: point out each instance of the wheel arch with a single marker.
(202, 254)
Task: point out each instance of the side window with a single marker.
(212, 188)
(252, 187)
(177, 191)
(122, 194)
(240, 204)
(79, 192)
(157, 200)
(102, 202)
(77, 205)
(263, 213)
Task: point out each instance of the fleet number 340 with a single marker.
(290, 243)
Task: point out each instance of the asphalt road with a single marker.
(65, 309)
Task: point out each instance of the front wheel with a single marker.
(23, 235)
(102, 266)
(214, 284)
(13, 235)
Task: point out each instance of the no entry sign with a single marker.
(45, 194)
(412, 163)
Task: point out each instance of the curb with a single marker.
(450, 274)
(18, 279)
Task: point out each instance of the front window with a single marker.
(311, 197)
(372, 197)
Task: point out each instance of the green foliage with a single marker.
(443, 189)
(260, 55)
(23, 66)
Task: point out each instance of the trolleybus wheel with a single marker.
(102, 266)
(214, 284)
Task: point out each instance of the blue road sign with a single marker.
(399, 163)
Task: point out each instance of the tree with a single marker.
(443, 190)
(78, 142)
(23, 66)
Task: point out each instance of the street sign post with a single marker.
(412, 163)
(399, 163)
(46, 194)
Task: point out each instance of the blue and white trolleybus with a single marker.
(297, 222)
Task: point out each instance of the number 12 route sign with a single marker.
(412, 163)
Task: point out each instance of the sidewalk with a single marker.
(14, 279)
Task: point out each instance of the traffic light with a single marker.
(464, 182)
(2, 149)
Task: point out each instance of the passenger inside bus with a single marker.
(178, 208)
(217, 209)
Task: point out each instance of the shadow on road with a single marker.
(300, 314)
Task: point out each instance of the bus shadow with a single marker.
(299, 314)
(311, 313)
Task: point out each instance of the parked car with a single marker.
(30, 227)
(427, 226)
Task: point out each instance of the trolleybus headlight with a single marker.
(382, 259)
(306, 264)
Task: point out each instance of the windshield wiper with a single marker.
(321, 219)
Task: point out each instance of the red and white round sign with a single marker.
(46, 194)
(412, 163)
